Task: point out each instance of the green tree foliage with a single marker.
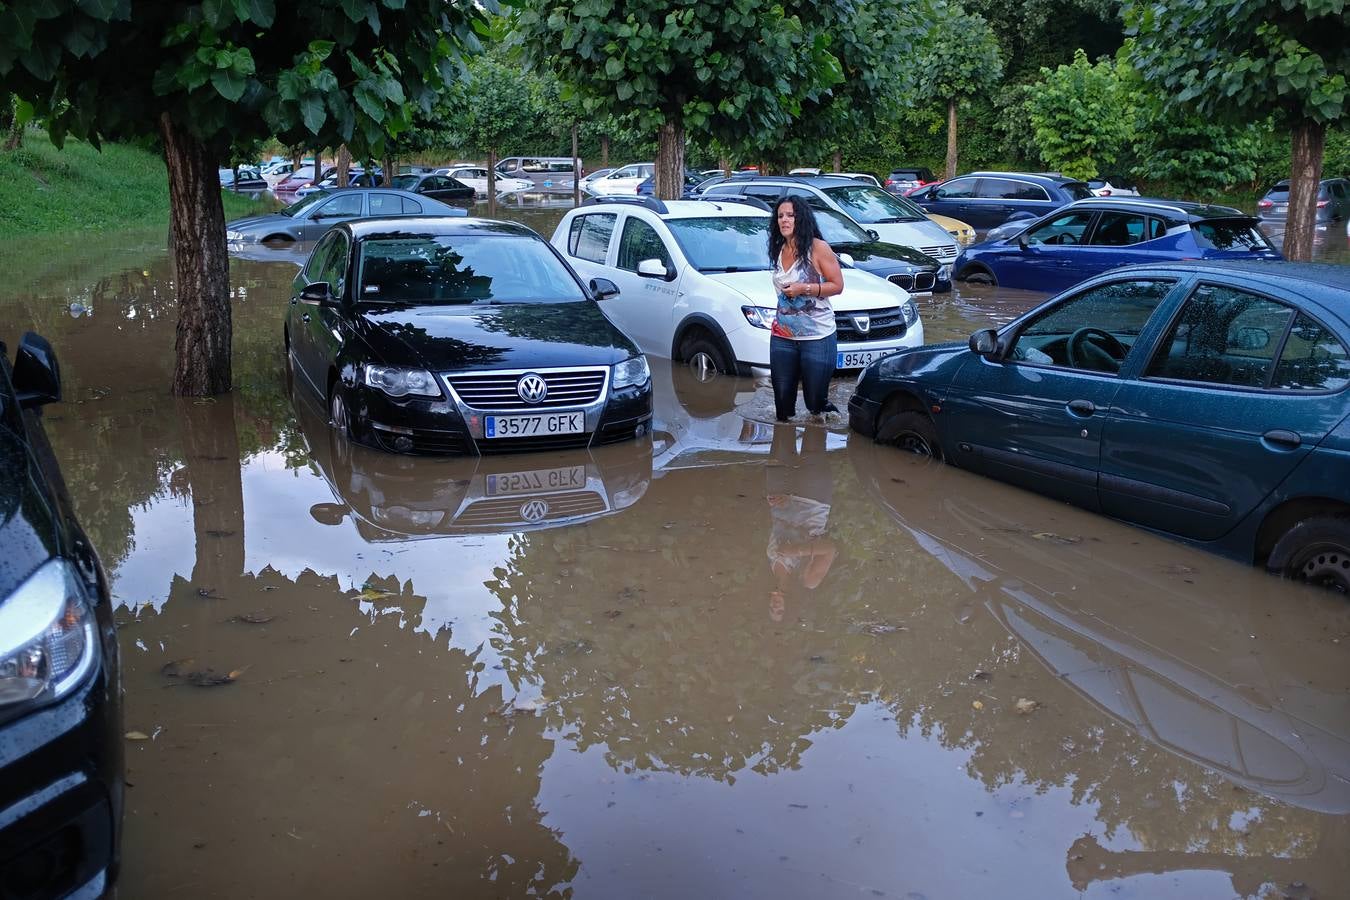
(498, 105)
(203, 76)
(1082, 116)
(722, 70)
(959, 59)
(1245, 59)
(1194, 155)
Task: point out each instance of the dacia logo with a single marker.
(534, 510)
(862, 324)
(532, 388)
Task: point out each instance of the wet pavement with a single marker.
(731, 660)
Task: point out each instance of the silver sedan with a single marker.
(309, 218)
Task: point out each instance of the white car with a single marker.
(623, 180)
(275, 172)
(476, 177)
(858, 176)
(896, 220)
(695, 283)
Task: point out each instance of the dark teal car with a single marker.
(1207, 400)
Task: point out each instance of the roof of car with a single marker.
(702, 208)
(1193, 212)
(1044, 177)
(446, 224)
(1326, 275)
(820, 181)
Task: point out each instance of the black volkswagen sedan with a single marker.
(60, 688)
(442, 335)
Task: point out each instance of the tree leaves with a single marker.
(229, 83)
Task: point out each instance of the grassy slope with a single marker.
(44, 190)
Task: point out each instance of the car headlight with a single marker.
(48, 639)
(759, 316)
(631, 371)
(909, 312)
(234, 235)
(398, 382)
(945, 273)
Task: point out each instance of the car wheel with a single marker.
(910, 431)
(704, 358)
(338, 415)
(1317, 551)
(978, 275)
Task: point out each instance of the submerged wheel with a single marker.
(978, 275)
(1317, 551)
(911, 431)
(704, 358)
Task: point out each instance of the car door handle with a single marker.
(1082, 407)
(1283, 440)
(305, 317)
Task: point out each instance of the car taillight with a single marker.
(1104, 192)
(1321, 204)
(1265, 203)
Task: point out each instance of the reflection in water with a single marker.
(593, 702)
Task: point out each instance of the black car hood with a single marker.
(880, 256)
(506, 336)
(28, 531)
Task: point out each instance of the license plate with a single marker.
(533, 426)
(563, 478)
(856, 359)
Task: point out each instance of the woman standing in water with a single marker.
(803, 344)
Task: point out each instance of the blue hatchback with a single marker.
(988, 199)
(1207, 400)
(1090, 236)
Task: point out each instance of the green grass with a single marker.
(44, 190)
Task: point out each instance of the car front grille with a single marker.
(920, 281)
(423, 440)
(944, 252)
(526, 510)
(883, 325)
(497, 390)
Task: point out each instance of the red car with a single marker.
(902, 181)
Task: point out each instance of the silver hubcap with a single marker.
(702, 366)
(337, 411)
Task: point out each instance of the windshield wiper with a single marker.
(891, 219)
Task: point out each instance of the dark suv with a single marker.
(988, 199)
(60, 688)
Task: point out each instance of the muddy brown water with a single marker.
(727, 661)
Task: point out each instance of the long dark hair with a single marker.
(804, 230)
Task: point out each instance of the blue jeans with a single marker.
(810, 363)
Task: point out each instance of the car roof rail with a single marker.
(1138, 201)
(655, 204)
(732, 198)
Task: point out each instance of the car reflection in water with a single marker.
(397, 498)
(1176, 666)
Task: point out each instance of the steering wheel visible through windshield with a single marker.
(730, 244)
(462, 268)
(870, 205)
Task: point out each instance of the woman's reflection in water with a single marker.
(799, 490)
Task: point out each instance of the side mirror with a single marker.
(874, 234)
(603, 288)
(984, 342)
(1250, 338)
(652, 268)
(37, 375)
(1022, 240)
(318, 292)
(846, 259)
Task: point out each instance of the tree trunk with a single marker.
(297, 157)
(318, 168)
(604, 151)
(389, 170)
(576, 169)
(492, 182)
(234, 185)
(725, 164)
(201, 266)
(838, 161)
(670, 159)
(1308, 142)
(951, 138)
(344, 164)
(15, 136)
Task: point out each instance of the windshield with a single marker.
(871, 204)
(304, 203)
(1077, 190)
(438, 270)
(1229, 234)
(730, 244)
(405, 182)
(837, 228)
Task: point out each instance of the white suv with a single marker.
(896, 219)
(695, 283)
(622, 181)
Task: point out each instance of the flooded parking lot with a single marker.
(731, 660)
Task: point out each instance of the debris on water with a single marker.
(251, 619)
(1025, 706)
(613, 613)
(174, 669)
(1056, 538)
(206, 592)
(370, 593)
(977, 705)
(879, 628)
(629, 594)
(199, 678)
(78, 309)
(982, 675)
(137, 736)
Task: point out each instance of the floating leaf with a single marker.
(137, 736)
(1025, 706)
(978, 704)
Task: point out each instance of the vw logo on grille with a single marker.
(863, 324)
(532, 388)
(534, 510)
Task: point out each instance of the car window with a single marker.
(1279, 192)
(724, 190)
(1223, 335)
(318, 258)
(1338, 190)
(1312, 360)
(723, 243)
(766, 192)
(996, 189)
(589, 236)
(870, 205)
(463, 268)
(386, 205)
(641, 242)
(958, 189)
(1068, 228)
(1156, 228)
(1229, 234)
(1119, 229)
(1105, 319)
(339, 207)
(411, 207)
(334, 270)
(837, 228)
(1076, 190)
(1025, 190)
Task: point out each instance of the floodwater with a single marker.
(731, 660)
